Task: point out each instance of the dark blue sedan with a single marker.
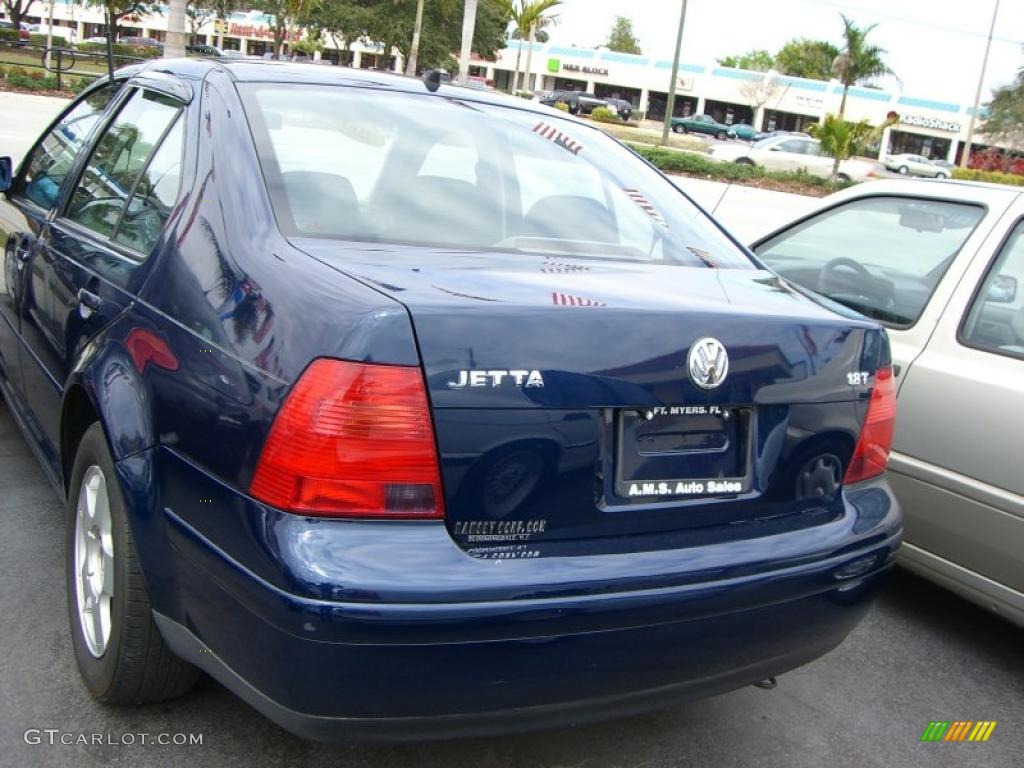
(412, 411)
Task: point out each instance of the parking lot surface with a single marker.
(922, 654)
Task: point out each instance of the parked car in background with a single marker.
(941, 265)
(23, 33)
(746, 132)
(792, 153)
(141, 42)
(579, 102)
(915, 165)
(702, 124)
(413, 411)
(204, 50)
(98, 40)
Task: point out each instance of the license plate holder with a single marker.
(680, 452)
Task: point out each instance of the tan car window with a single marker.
(882, 256)
(995, 321)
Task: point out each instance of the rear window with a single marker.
(376, 166)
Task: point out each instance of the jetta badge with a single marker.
(708, 363)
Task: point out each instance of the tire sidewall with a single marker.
(98, 674)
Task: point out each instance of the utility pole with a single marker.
(965, 156)
(468, 27)
(671, 105)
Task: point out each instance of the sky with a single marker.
(935, 47)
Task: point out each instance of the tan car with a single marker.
(941, 265)
(796, 153)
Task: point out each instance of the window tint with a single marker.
(53, 157)
(882, 256)
(793, 145)
(812, 148)
(117, 162)
(402, 168)
(995, 321)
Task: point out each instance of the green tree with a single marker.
(1005, 114)
(199, 12)
(858, 61)
(621, 37)
(803, 57)
(118, 9)
(758, 60)
(840, 138)
(16, 9)
(286, 14)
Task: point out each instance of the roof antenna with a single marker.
(432, 79)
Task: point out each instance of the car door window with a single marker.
(882, 256)
(118, 161)
(54, 156)
(995, 321)
(155, 194)
(792, 145)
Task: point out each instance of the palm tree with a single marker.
(529, 17)
(468, 27)
(414, 49)
(174, 45)
(859, 61)
(540, 19)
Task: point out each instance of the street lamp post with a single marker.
(965, 156)
(671, 104)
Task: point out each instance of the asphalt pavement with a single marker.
(922, 654)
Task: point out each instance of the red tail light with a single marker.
(871, 455)
(353, 440)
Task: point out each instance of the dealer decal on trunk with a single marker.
(684, 488)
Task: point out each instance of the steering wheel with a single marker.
(862, 285)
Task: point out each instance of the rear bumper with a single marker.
(390, 631)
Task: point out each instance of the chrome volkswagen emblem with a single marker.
(708, 363)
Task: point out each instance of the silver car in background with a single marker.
(941, 265)
(916, 165)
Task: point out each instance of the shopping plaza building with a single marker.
(927, 124)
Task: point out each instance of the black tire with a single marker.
(678, 128)
(136, 666)
(844, 178)
(744, 161)
(941, 175)
(903, 170)
(720, 135)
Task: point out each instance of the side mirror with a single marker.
(1002, 290)
(776, 148)
(6, 173)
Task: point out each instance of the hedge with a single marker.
(38, 80)
(672, 161)
(9, 34)
(996, 177)
(122, 50)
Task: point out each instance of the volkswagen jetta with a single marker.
(412, 411)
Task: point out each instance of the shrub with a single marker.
(22, 81)
(996, 177)
(9, 35)
(605, 115)
(79, 85)
(561, 106)
(37, 74)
